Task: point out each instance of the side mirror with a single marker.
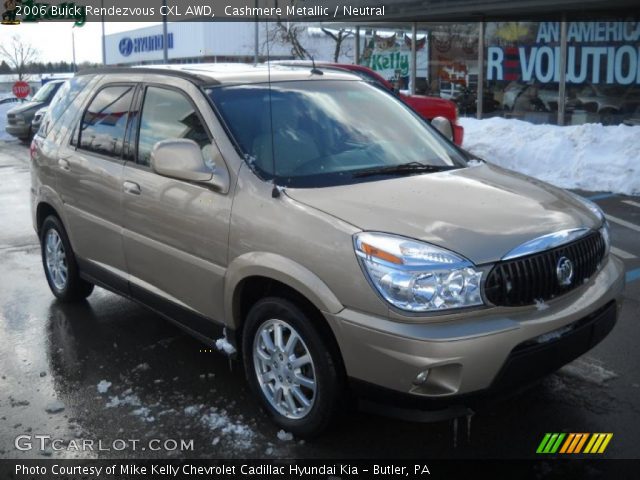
(443, 125)
(182, 159)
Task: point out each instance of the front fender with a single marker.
(281, 269)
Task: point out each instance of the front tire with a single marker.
(59, 262)
(289, 366)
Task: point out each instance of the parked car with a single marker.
(37, 119)
(9, 99)
(609, 104)
(19, 117)
(341, 245)
(467, 102)
(427, 107)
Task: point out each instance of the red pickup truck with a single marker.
(427, 107)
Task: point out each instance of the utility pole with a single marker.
(104, 46)
(165, 51)
(562, 88)
(481, 71)
(256, 32)
(73, 48)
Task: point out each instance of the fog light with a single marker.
(421, 378)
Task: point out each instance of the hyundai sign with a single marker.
(150, 43)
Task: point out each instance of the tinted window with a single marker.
(105, 120)
(66, 94)
(168, 114)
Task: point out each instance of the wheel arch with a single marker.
(274, 272)
(43, 210)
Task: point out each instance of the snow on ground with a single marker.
(588, 157)
(103, 386)
(284, 436)
(589, 369)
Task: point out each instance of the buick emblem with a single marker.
(564, 271)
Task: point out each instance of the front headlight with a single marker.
(416, 276)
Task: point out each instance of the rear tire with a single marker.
(290, 367)
(59, 262)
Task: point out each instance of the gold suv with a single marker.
(340, 241)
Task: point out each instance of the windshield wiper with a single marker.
(403, 169)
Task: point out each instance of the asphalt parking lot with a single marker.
(53, 357)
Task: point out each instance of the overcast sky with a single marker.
(53, 39)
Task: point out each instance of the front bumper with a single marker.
(20, 130)
(480, 351)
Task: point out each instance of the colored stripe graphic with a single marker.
(573, 443)
(543, 443)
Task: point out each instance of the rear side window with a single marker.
(66, 94)
(105, 121)
(168, 114)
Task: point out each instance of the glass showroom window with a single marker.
(453, 64)
(602, 78)
(603, 71)
(521, 69)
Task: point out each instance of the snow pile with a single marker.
(127, 399)
(589, 369)
(144, 414)
(223, 345)
(588, 157)
(220, 422)
(55, 407)
(103, 386)
(284, 436)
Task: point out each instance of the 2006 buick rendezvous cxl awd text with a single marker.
(343, 242)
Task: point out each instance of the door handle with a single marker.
(64, 164)
(131, 187)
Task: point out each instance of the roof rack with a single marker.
(173, 72)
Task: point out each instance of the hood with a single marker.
(480, 212)
(24, 107)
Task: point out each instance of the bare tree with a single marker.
(288, 33)
(338, 36)
(18, 54)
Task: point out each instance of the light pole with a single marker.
(73, 48)
(165, 51)
(104, 47)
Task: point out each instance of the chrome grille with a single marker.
(525, 280)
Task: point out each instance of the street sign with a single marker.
(21, 89)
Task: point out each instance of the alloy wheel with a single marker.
(284, 369)
(56, 260)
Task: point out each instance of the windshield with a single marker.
(325, 132)
(45, 92)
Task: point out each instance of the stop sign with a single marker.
(21, 89)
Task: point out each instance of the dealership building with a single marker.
(562, 69)
(199, 42)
